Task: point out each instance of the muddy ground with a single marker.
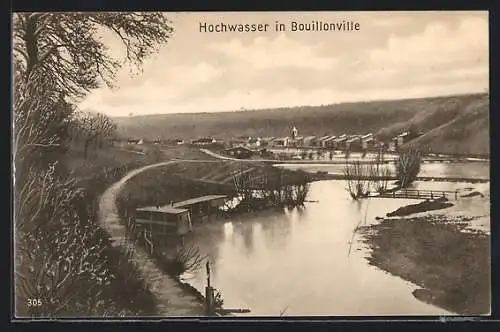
(441, 252)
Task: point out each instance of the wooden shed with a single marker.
(202, 208)
(165, 220)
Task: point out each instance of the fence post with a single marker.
(209, 298)
(209, 294)
(456, 194)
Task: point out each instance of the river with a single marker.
(439, 170)
(300, 261)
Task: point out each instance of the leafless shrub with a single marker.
(300, 192)
(186, 260)
(59, 256)
(358, 179)
(408, 167)
(379, 175)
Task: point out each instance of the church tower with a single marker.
(295, 132)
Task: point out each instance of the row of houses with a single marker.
(334, 142)
(327, 141)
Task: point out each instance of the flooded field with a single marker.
(439, 170)
(305, 261)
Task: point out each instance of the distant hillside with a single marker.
(466, 133)
(453, 124)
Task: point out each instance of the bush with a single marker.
(357, 178)
(408, 167)
(65, 259)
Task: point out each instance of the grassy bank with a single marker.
(111, 157)
(126, 293)
(451, 265)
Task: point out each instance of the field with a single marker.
(453, 124)
(116, 156)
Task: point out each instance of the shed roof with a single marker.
(196, 200)
(169, 209)
(155, 222)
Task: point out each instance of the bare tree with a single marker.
(58, 58)
(93, 127)
(67, 49)
(358, 179)
(105, 128)
(408, 167)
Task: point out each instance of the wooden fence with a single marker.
(420, 194)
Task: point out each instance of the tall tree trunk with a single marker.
(30, 40)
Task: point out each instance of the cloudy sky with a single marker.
(393, 55)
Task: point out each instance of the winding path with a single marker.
(171, 299)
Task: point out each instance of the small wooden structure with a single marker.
(175, 219)
(158, 222)
(201, 209)
(419, 194)
(164, 219)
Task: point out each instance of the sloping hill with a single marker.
(385, 118)
(466, 133)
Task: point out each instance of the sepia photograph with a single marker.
(250, 164)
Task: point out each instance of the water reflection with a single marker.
(277, 229)
(300, 259)
(457, 170)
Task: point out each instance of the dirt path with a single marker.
(171, 299)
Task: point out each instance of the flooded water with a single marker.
(302, 262)
(456, 170)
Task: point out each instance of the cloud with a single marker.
(162, 83)
(267, 53)
(431, 55)
(391, 22)
(188, 76)
(437, 44)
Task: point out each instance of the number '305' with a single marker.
(34, 302)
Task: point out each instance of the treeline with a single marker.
(64, 263)
(91, 129)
